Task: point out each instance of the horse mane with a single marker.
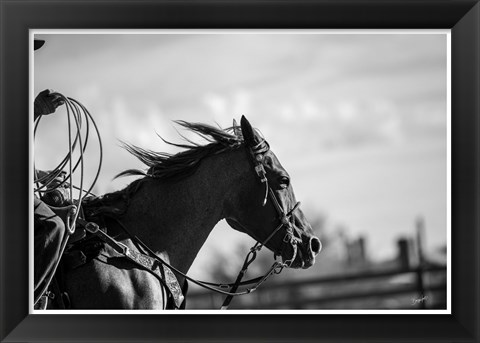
(166, 166)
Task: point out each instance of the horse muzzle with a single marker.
(301, 255)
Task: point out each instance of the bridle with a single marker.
(256, 153)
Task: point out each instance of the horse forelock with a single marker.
(167, 166)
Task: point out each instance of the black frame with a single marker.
(18, 16)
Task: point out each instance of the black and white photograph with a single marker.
(249, 171)
(239, 171)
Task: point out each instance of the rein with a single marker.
(275, 269)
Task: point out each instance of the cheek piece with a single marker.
(257, 155)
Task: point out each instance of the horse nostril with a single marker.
(315, 245)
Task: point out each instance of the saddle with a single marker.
(70, 258)
(87, 243)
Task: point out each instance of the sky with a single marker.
(358, 120)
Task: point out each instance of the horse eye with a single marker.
(284, 181)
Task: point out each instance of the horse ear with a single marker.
(247, 131)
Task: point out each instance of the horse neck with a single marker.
(175, 218)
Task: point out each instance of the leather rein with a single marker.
(257, 152)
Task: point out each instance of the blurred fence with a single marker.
(409, 281)
(399, 288)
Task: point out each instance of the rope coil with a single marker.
(77, 116)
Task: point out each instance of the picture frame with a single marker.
(462, 17)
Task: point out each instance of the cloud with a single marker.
(312, 96)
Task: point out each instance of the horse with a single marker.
(166, 215)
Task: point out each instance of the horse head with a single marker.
(269, 212)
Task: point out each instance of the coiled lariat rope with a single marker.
(49, 181)
(77, 115)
